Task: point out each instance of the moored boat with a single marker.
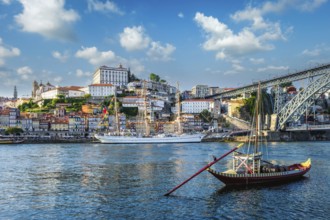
(120, 137)
(268, 175)
(250, 168)
(10, 141)
(184, 138)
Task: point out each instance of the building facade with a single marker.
(196, 106)
(101, 90)
(69, 92)
(200, 91)
(111, 75)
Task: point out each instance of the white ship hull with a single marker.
(111, 139)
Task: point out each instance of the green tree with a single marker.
(205, 115)
(130, 111)
(284, 85)
(132, 78)
(28, 105)
(14, 130)
(154, 77)
(87, 96)
(248, 109)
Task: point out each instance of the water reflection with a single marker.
(128, 181)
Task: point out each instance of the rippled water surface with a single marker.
(99, 181)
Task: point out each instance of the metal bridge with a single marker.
(309, 73)
(319, 78)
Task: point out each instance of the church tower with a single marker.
(15, 92)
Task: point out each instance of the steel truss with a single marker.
(304, 99)
(313, 72)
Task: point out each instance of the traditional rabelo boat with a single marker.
(249, 168)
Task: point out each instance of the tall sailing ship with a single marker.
(250, 168)
(179, 137)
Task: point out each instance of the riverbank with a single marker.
(272, 136)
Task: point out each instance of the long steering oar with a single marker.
(204, 168)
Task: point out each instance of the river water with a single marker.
(102, 181)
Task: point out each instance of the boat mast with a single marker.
(116, 112)
(145, 108)
(257, 125)
(256, 159)
(178, 109)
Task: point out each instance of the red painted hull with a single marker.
(258, 179)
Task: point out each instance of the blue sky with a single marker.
(216, 43)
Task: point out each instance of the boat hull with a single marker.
(109, 139)
(260, 178)
(9, 141)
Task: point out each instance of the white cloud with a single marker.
(62, 57)
(313, 53)
(257, 60)
(81, 73)
(310, 5)
(108, 58)
(6, 2)
(58, 79)
(257, 35)
(159, 52)
(6, 52)
(134, 38)
(47, 18)
(318, 50)
(227, 44)
(108, 6)
(95, 57)
(181, 15)
(272, 68)
(25, 72)
(236, 68)
(135, 65)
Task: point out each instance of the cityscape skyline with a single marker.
(225, 44)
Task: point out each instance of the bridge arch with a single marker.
(304, 99)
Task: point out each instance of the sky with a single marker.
(211, 42)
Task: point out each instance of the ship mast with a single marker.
(258, 119)
(145, 108)
(178, 109)
(257, 129)
(116, 113)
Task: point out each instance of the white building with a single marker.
(69, 92)
(77, 124)
(100, 90)
(26, 124)
(138, 101)
(13, 115)
(196, 106)
(94, 123)
(41, 88)
(111, 75)
(132, 101)
(200, 91)
(4, 119)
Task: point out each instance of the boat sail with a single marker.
(147, 138)
(250, 169)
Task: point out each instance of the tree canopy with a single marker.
(205, 115)
(14, 130)
(154, 77)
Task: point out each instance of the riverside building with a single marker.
(111, 75)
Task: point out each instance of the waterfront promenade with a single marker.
(281, 136)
